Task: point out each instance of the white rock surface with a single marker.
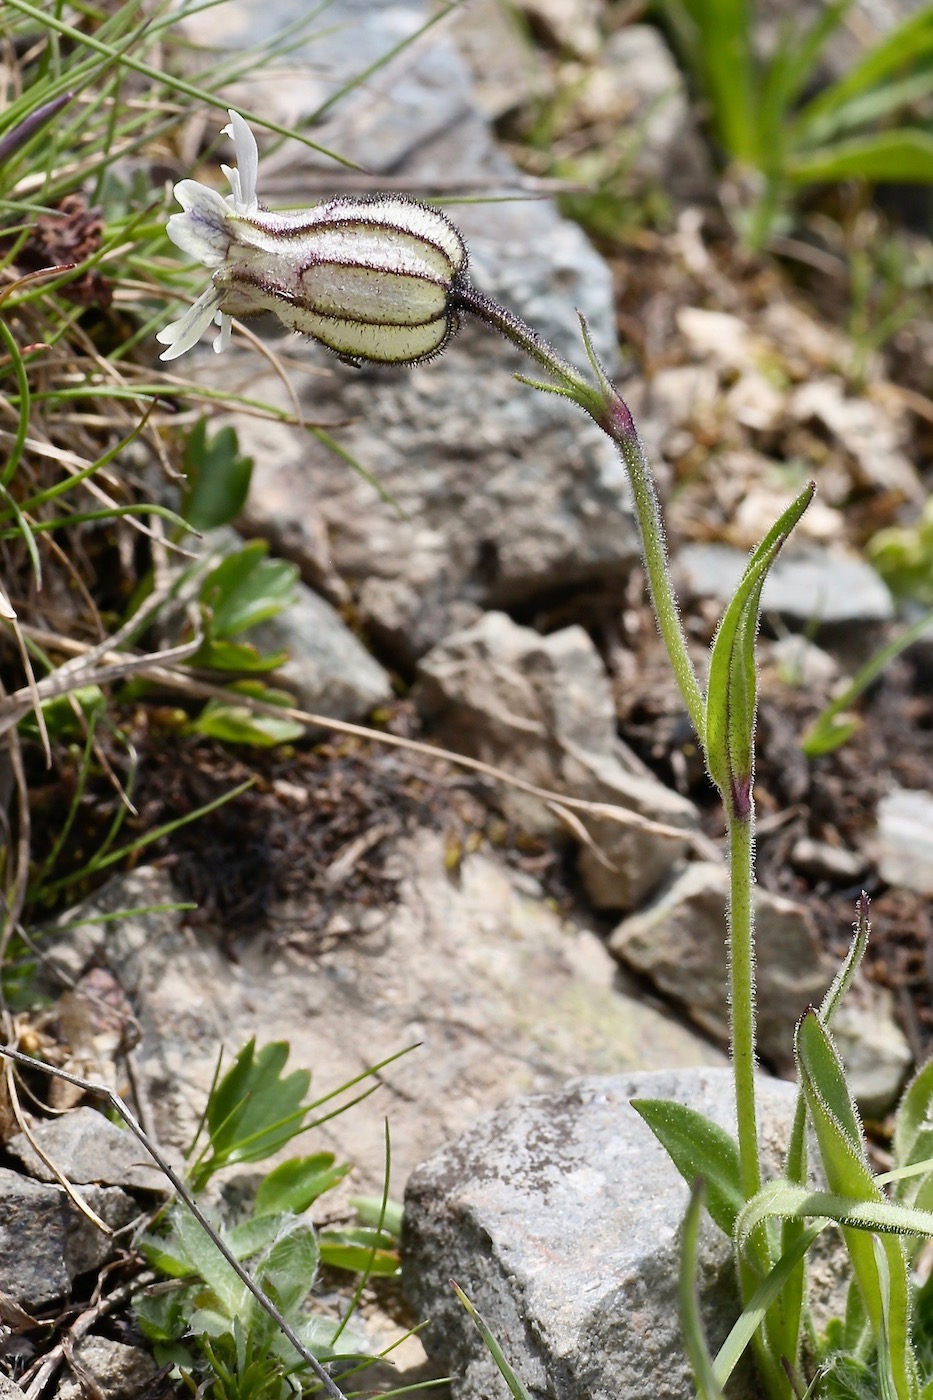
(905, 839)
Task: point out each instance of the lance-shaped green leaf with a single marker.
(698, 1147)
(732, 693)
(884, 1288)
(792, 1301)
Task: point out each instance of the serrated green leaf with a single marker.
(218, 477)
(247, 588)
(218, 654)
(251, 1236)
(253, 1111)
(294, 1185)
(698, 1147)
(287, 1269)
(238, 724)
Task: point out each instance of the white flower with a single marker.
(373, 279)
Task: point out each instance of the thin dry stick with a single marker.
(266, 1303)
(76, 1332)
(203, 690)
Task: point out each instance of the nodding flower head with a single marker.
(371, 278)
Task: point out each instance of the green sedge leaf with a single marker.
(903, 49)
(913, 1126)
(690, 1322)
(340, 1251)
(514, 1383)
(783, 1199)
(884, 157)
(766, 1294)
(698, 1147)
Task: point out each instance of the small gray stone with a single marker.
(873, 1047)
(9, 1390)
(560, 1217)
(679, 942)
(88, 1149)
(328, 670)
(805, 587)
(905, 839)
(865, 431)
(571, 25)
(120, 1371)
(542, 708)
(824, 862)
(46, 1241)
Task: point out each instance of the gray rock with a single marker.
(873, 1047)
(804, 587)
(488, 509)
(560, 1216)
(9, 1390)
(328, 670)
(679, 942)
(905, 839)
(88, 1149)
(46, 1241)
(121, 1372)
(501, 995)
(542, 707)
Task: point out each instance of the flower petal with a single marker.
(202, 230)
(247, 161)
(222, 340)
(180, 335)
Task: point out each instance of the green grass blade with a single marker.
(690, 1322)
(884, 157)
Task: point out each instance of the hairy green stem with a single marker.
(654, 554)
(742, 994)
(610, 413)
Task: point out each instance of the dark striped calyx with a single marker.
(372, 278)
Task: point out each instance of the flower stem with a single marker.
(611, 414)
(742, 995)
